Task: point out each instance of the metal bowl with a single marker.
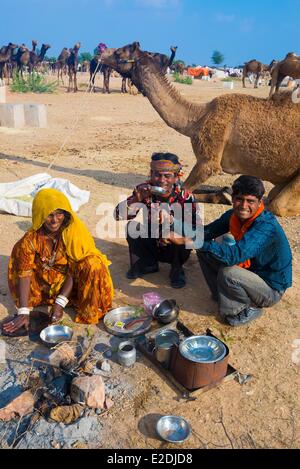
(122, 322)
(54, 334)
(202, 349)
(157, 190)
(166, 311)
(173, 429)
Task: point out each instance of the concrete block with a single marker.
(228, 84)
(2, 94)
(12, 115)
(35, 115)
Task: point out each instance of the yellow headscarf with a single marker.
(76, 237)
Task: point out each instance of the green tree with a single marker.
(50, 59)
(217, 57)
(84, 56)
(175, 62)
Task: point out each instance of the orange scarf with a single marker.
(238, 229)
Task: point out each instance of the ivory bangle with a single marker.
(23, 310)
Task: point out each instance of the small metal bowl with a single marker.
(166, 311)
(54, 334)
(173, 429)
(157, 190)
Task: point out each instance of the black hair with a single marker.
(248, 185)
(67, 219)
(165, 156)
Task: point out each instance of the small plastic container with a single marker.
(151, 299)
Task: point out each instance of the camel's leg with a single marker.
(208, 151)
(200, 173)
(70, 82)
(257, 79)
(106, 76)
(279, 80)
(75, 82)
(244, 78)
(273, 82)
(284, 199)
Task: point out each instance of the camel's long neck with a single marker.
(177, 112)
(40, 58)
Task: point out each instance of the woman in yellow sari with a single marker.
(57, 262)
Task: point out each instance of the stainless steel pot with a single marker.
(166, 311)
(164, 342)
(126, 353)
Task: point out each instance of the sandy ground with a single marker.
(109, 140)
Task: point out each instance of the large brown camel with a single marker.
(257, 68)
(289, 67)
(72, 63)
(237, 134)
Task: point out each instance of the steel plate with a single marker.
(117, 319)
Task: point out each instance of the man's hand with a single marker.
(14, 323)
(142, 192)
(56, 313)
(165, 217)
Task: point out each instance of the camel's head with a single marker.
(34, 42)
(45, 47)
(77, 46)
(12, 46)
(123, 59)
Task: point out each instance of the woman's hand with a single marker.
(14, 323)
(56, 313)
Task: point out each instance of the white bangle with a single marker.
(62, 301)
(23, 310)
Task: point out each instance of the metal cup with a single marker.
(164, 342)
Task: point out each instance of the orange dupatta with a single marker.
(238, 229)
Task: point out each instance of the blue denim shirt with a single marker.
(264, 243)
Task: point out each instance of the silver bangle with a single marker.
(24, 310)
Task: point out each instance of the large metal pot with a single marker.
(166, 311)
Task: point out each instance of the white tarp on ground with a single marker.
(16, 197)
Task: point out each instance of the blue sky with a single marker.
(240, 30)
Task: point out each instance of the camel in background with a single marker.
(61, 64)
(72, 63)
(288, 67)
(257, 68)
(237, 134)
(5, 57)
(34, 59)
(162, 62)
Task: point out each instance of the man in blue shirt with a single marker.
(255, 269)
